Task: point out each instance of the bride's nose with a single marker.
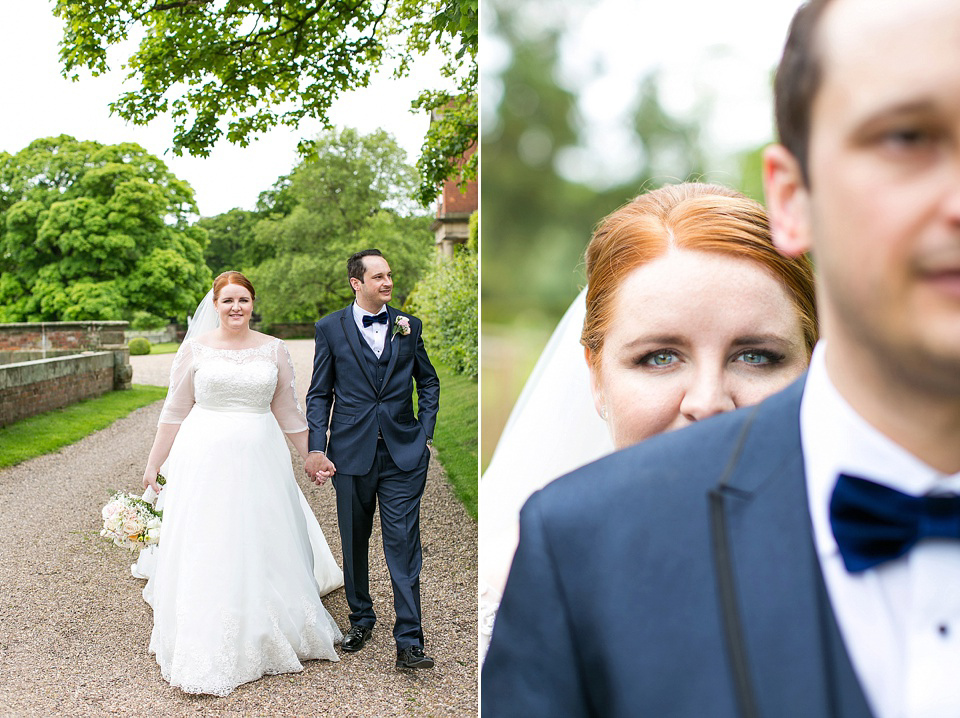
(706, 396)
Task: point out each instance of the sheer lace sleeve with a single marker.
(285, 405)
(180, 395)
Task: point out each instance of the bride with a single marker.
(689, 311)
(242, 562)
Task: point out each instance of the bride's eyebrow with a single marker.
(645, 340)
(761, 339)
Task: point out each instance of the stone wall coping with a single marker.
(63, 325)
(28, 372)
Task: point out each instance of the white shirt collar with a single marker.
(836, 439)
(359, 311)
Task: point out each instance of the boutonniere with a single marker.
(401, 326)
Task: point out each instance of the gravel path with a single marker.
(74, 629)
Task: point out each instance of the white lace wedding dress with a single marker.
(242, 562)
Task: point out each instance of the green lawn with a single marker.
(52, 430)
(165, 348)
(456, 436)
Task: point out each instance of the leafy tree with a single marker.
(536, 221)
(446, 151)
(231, 241)
(92, 231)
(263, 63)
(350, 195)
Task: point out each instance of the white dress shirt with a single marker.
(375, 334)
(900, 621)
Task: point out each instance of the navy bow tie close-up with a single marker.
(369, 319)
(874, 523)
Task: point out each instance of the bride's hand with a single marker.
(150, 479)
(319, 468)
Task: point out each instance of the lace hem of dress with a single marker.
(197, 670)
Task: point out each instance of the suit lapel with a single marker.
(773, 608)
(352, 335)
(395, 348)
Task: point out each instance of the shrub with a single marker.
(446, 300)
(139, 346)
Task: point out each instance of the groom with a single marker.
(366, 359)
(799, 558)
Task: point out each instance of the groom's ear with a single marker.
(355, 284)
(788, 203)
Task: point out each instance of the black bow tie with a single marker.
(874, 523)
(380, 318)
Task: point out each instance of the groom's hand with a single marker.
(319, 468)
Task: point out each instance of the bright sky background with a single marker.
(39, 102)
(721, 52)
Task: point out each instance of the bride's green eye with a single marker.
(760, 357)
(659, 358)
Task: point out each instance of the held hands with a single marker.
(319, 468)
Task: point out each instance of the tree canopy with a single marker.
(351, 194)
(262, 63)
(92, 231)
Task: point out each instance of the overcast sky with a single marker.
(38, 102)
(705, 50)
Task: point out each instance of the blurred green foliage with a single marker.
(536, 222)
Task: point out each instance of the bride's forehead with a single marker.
(233, 291)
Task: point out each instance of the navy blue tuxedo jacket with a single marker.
(675, 578)
(342, 379)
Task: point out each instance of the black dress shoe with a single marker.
(412, 657)
(355, 638)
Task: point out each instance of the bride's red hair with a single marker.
(693, 216)
(231, 277)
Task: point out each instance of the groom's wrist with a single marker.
(318, 451)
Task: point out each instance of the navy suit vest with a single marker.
(377, 366)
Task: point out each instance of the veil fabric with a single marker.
(204, 319)
(553, 429)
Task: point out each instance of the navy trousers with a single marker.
(398, 493)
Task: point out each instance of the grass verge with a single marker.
(165, 348)
(456, 436)
(43, 433)
(455, 439)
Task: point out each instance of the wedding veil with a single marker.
(204, 319)
(553, 428)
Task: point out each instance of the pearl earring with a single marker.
(603, 411)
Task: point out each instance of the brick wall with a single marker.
(71, 336)
(48, 365)
(455, 202)
(28, 388)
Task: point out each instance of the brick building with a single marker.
(452, 225)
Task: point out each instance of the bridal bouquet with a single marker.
(130, 522)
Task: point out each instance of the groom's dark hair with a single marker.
(355, 264)
(798, 80)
